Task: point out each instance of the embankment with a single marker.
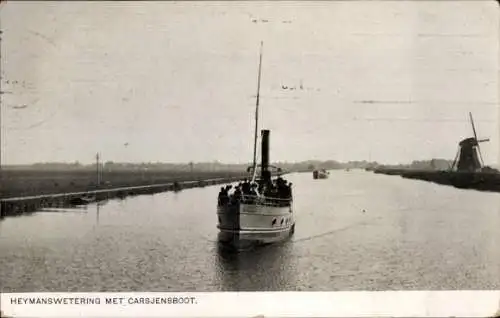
(28, 191)
(18, 183)
(482, 181)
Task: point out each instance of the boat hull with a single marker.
(247, 239)
(320, 174)
(245, 225)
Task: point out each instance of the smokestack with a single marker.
(265, 154)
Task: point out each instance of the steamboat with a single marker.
(260, 209)
(320, 174)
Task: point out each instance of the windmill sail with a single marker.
(475, 137)
(470, 157)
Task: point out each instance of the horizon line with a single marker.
(78, 163)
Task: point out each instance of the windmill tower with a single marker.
(469, 153)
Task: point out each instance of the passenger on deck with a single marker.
(245, 188)
(280, 184)
(286, 190)
(223, 196)
(268, 190)
(253, 189)
(237, 192)
(279, 181)
(236, 195)
(228, 187)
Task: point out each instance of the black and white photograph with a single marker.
(248, 146)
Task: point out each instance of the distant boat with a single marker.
(260, 212)
(320, 174)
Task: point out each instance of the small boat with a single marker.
(320, 174)
(82, 200)
(259, 211)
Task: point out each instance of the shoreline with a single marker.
(13, 206)
(480, 181)
(21, 183)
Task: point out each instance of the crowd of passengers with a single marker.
(274, 191)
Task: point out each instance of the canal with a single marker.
(355, 231)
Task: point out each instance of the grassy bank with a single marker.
(482, 181)
(17, 183)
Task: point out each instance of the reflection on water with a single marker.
(97, 209)
(355, 230)
(261, 268)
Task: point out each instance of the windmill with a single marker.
(468, 151)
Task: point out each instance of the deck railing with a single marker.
(267, 201)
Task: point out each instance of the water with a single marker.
(355, 231)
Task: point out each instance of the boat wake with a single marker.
(312, 237)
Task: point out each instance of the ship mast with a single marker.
(257, 116)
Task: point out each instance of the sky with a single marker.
(176, 81)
